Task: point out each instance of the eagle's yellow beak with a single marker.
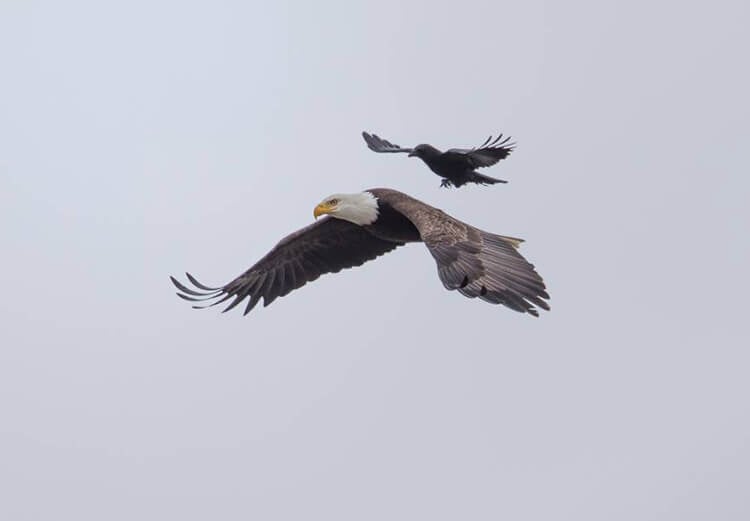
(322, 209)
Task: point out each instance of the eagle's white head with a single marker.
(360, 209)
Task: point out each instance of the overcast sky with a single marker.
(146, 138)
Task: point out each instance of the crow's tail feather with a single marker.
(476, 177)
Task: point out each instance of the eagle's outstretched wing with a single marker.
(472, 261)
(487, 154)
(488, 266)
(377, 144)
(326, 246)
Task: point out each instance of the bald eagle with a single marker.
(457, 165)
(360, 227)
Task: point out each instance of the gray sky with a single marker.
(143, 139)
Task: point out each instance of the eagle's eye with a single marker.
(333, 202)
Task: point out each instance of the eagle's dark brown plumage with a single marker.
(364, 226)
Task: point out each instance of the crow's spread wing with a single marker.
(487, 154)
(377, 144)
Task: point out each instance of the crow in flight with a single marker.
(457, 165)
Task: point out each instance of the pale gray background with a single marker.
(141, 139)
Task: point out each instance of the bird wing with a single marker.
(472, 261)
(377, 144)
(326, 246)
(487, 154)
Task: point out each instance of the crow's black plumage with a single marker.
(457, 165)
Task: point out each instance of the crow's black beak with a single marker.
(412, 154)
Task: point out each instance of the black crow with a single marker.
(457, 165)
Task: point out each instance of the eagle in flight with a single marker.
(363, 226)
